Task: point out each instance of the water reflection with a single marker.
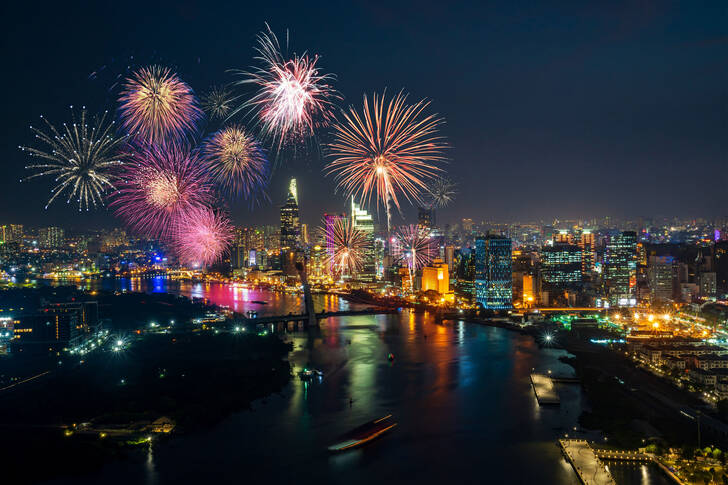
(460, 393)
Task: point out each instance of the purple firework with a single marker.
(158, 186)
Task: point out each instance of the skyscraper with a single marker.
(660, 272)
(620, 268)
(586, 243)
(290, 230)
(426, 218)
(493, 279)
(362, 220)
(561, 265)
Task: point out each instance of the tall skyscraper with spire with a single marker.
(363, 220)
(290, 230)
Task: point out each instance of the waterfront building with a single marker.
(493, 279)
(620, 269)
(435, 276)
(561, 266)
(363, 221)
(465, 274)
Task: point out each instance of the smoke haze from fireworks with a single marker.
(293, 98)
(80, 157)
(388, 151)
(201, 237)
(158, 185)
(155, 106)
(236, 162)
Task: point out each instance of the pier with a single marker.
(544, 389)
(586, 463)
(303, 317)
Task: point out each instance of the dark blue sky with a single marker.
(562, 110)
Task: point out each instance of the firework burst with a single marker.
(201, 237)
(218, 102)
(80, 156)
(293, 97)
(157, 106)
(349, 246)
(158, 186)
(441, 192)
(386, 152)
(414, 248)
(236, 162)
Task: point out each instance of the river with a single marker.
(460, 394)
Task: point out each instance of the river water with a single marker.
(460, 393)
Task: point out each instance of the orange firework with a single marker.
(388, 151)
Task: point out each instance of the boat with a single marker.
(310, 374)
(363, 434)
(259, 302)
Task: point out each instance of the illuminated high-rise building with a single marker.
(586, 243)
(290, 230)
(426, 218)
(493, 278)
(465, 274)
(329, 246)
(435, 276)
(620, 269)
(363, 221)
(561, 266)
(660, 276)
(50, 237)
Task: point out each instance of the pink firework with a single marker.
(236, 162)
(415, 246)
(155, 105)
(292, 97)
(158, 186)
(201, 237)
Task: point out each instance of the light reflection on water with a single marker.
(460, 393)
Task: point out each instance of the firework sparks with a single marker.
(441, 192)
(157, 106)
(414, 248)
(218, 102)
(349, 246)
(386, 152)
(158, 186)
(293, 97)
(80, 156)
(201, 237)
(236, 162)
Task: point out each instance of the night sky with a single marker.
(569, 110)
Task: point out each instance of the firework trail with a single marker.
(349, 247)
(415, 248)
(236, 162)
(293, 98)
(80, 156)
(441, 192)
(156, 106)
(158, 186)
(218, 102)
(201, 237)
(387, 151)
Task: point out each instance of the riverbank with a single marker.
(192, 380)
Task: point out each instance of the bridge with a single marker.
(303, 317)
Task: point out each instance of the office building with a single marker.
(290, 235)
(561, 266)
(363, 221)
(660, 271)
(493, 279)
(620, 269)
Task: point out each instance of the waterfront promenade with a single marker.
(544, 389)
(588, 467)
